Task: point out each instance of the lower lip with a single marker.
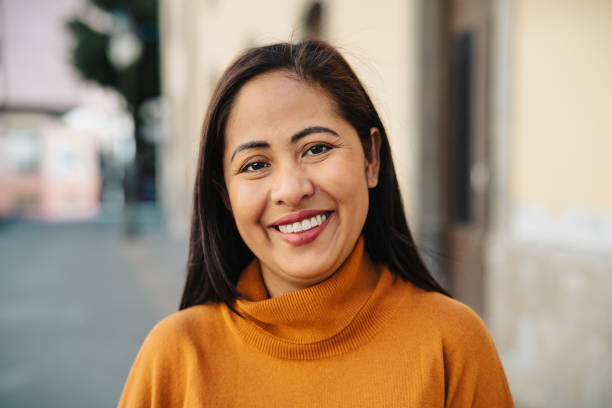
(301, 238)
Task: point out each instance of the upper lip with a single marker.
(291, 218)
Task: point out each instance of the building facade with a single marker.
(48, 170)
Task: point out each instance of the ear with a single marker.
(373, 158)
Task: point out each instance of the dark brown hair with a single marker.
(217, 253)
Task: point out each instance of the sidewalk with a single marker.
(76, 301)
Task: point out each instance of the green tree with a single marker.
(137, 82)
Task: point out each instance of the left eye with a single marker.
(317, 149)
(253, 167)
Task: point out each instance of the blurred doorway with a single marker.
(466, 141)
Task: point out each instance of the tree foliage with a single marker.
(90, 58)
(140, 10)
(89, 54)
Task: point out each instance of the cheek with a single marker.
(248, 201)
(345, 180)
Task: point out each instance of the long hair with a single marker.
(217, 253)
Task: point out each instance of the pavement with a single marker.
(76, 302)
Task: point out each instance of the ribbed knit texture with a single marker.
(362, 338)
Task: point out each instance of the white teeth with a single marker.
(304, 225)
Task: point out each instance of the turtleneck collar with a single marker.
(324, 319)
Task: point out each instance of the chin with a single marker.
(313, 276)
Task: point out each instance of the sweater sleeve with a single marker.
(156, 378)
(474, 375)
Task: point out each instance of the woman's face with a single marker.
(297, 179)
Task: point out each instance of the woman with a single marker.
(304, 286)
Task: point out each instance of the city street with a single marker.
(76, 302)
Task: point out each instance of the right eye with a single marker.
(254, 166)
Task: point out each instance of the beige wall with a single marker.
(563, 104)
(549, 266)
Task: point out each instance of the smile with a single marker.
(304, 225)
(302, 228)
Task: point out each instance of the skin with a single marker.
(268, 176)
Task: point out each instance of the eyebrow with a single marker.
(311, 129)
(302, 133)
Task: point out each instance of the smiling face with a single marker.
(297, 179)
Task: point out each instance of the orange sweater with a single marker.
(361, 338)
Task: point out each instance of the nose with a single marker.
(291, 186)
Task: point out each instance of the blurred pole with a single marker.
(124, 51)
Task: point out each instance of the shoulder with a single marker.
(456, 327)
(451, 319)
(180, 338)
(474, 375)
(180, 327)
(170, 352)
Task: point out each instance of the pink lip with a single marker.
(302, 215)
(301, 238)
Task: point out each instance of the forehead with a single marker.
(275, 104)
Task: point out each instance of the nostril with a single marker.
(291, 193)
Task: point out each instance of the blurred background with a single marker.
(499, 114)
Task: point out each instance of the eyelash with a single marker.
(323, 145)
(245, 169)
(326, 148)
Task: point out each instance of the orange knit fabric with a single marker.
(361, 338)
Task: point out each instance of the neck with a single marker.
(278, 283)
